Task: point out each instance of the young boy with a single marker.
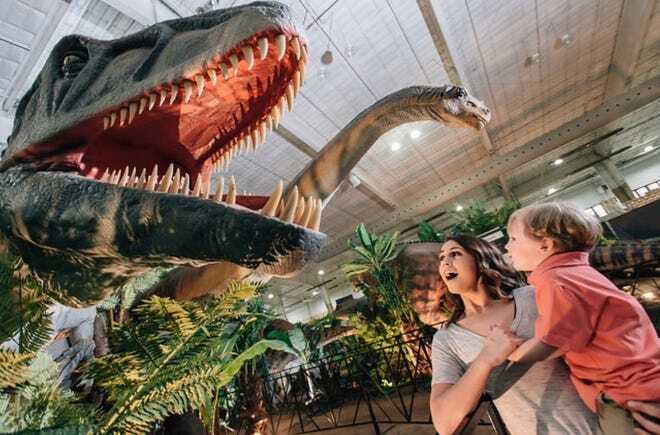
(603, 334)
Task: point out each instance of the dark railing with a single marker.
(386, 383)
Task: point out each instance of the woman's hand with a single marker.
(642, 412)
(498, 346)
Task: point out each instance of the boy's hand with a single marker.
(498, 346)
(647, 414)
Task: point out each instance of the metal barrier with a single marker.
(374, 385)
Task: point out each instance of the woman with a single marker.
(494, 313)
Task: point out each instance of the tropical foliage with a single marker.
(373, 275)
(24, 318)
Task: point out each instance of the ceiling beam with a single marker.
(633, 26)
(366, 185)
(501, 164)
(451, 69)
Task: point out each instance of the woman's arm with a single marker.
(451, 403)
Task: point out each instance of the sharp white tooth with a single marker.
(213, 76)
(115, 177)
(315, 219)
(198, 186)
(269, 122)
(174, 187)
(153, 178)
(296, 47)
(152, 101)
(248, 55)
(143, 105)
(263, 48)
(300, 211)
(280, 43)
(283, 104)
(113, 118)
(254, 138)
(221, 163)
(187, 90)
(142, 180)
(231, 192)
(106, 122)
(271, 205)
(163, 95)
(225, 71)
(173, 93)
(276, 116)
(217, 196)
(199, 80)
(123, 113)
(132, 111)
(185, 189)
(125, 177)
(207, 189)
(291, 205)
(311, 206)
(234, 63)
(262, 132)
(289, 97)
(133, 177)
(164, 185)
(296, 82)
(301, 68)
(106, 175)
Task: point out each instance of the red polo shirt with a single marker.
(609, 341)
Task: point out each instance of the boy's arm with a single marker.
(534, 350)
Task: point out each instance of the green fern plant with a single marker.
(24, 317)
(174, 356)
(33, 400)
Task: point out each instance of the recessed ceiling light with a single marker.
(396, 146)
(315, 292)
(321, 272)
(558, 162)
(459, 207)
(649, 296)
(415, 134)
(551, 190)
(648, 148)
(271, 296)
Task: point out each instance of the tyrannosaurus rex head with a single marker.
(108, 167)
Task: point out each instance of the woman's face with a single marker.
(458, 268)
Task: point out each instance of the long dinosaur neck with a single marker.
(323, 175)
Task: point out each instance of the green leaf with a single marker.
(364, 236)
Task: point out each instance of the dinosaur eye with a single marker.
(72, 63)
(470, 104)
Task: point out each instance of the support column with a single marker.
(614, 180)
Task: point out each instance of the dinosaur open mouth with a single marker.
(174, 136)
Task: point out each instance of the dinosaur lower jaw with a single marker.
(197, 123)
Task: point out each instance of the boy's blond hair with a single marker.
(569, 227)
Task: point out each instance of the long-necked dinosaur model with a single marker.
(108, 168)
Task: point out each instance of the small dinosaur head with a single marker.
(108, 168)
(467, 111)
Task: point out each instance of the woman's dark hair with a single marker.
(497, 274)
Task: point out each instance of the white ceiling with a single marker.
(537, 64)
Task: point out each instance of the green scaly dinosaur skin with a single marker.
(184, 95)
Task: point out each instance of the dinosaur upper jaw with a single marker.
(197, 123)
